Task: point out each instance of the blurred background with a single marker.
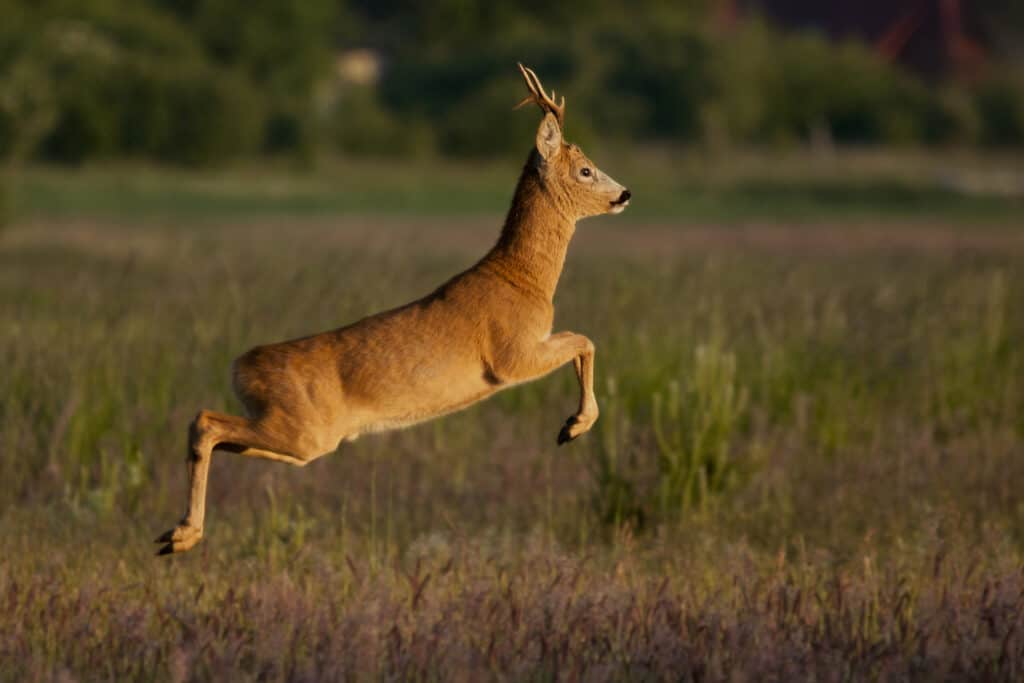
(808, 327)
(203, 82)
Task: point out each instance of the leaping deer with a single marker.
(484, 330)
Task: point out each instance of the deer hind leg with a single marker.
(209, 431)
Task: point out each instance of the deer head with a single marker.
(572, 179)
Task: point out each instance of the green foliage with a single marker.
(207, 120)
(103, 79)
(655, 79)
(26, 98)
(466, 100)
(1000, 104)
(695, 431)
(204, 81)
(363, 127)
(650, 469)
(974, 365)
(779, 87)
(614, 468)
(282, 49)
(106, 92)
(85, 127)
(283, 46)
(183, 114)
(5, 204)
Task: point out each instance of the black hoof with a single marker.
(166, 550)
(165, 537)
(564, 436)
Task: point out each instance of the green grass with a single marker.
(808, 459)
(684, 186)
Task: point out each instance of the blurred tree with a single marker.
(783, 87)
(629, 70)
(1004, 21)
(202, 81)
(657, 78)
(283, 47)
(27, 104)
(1000, 104)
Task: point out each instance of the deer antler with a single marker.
(540, 98)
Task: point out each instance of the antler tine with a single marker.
(538, 96)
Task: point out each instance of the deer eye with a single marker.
(585, 172)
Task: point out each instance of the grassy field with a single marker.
(808, 464)
(676, 185)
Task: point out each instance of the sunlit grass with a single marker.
(808, 458)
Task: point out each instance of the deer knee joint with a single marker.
(198, 433)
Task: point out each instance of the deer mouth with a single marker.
(619, 205)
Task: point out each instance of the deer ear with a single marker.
(549, 137)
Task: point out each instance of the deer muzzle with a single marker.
(618, 205)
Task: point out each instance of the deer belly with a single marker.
(422, 402)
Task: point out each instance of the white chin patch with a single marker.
(619, 208)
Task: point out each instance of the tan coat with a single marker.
(486, 329)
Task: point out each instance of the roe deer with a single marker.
(482, 331)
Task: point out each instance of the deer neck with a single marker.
(531, 250)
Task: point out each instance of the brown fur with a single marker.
(486, 329)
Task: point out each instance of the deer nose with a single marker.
(624, 197)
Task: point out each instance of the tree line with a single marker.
(199, 82)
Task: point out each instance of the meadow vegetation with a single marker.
(807, 465)
(725, 187)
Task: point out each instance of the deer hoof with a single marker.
(567, 433)
(179, 539)
(574, 427)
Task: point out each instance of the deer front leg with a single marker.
(587, 414)
(552, 353)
